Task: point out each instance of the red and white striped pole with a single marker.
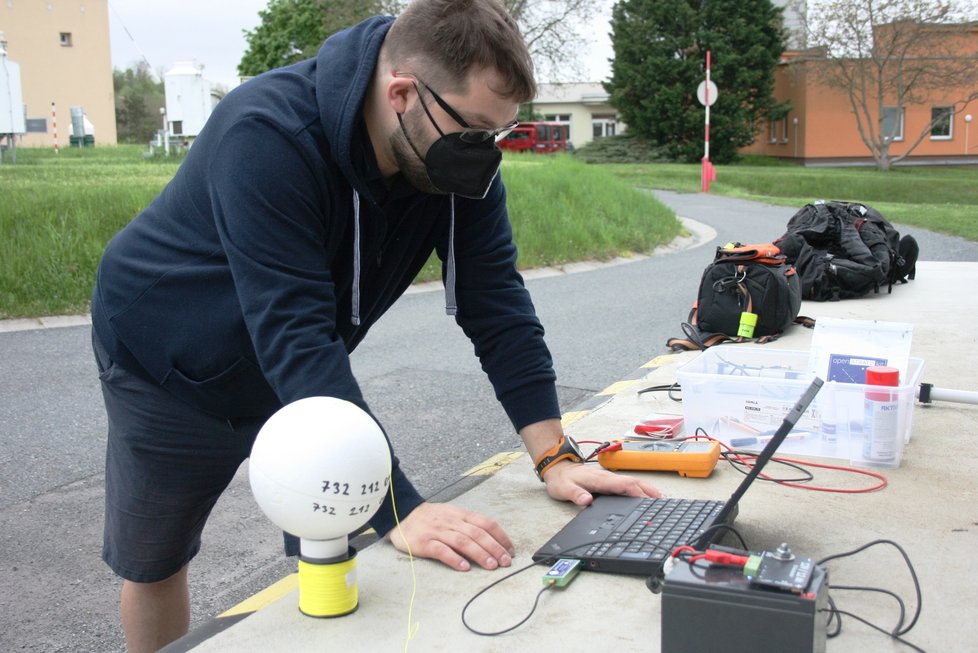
(54, 126)
(707, 173)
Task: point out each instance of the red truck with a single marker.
(541, 137)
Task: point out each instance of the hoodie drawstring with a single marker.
(355, 308)
(451, 305)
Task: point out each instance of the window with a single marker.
(891, 124)
(776, 126)
(176, 127)
(602, 125)
(941, 119)
(65, 38)
(562, 118)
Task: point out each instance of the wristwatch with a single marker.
(565, 449)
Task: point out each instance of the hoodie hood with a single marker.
(345, 66)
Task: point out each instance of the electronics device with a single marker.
(695, 458)
(562, 572)
(775, 603)
(633, 535)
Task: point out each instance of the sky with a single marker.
(165, 32)
(212, 33)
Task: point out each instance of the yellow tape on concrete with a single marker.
(615, 388)
(570, 417)
(265, 597)
(492, 465)
(657, 361)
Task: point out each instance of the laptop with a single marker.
(632, 535)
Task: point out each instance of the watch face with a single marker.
(572, 445)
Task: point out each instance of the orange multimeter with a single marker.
(695, 458)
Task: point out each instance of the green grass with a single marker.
(57, 212)
(938, 198)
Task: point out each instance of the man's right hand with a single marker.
(453, 536)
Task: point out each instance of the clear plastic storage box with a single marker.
(740, 395)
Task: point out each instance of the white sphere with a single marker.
(320, 468)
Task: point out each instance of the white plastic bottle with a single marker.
(881, 417)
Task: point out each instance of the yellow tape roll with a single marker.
(327, 590)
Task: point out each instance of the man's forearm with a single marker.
(541, 436)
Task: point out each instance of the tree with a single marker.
(138, 98)
(886, 55)
(551, 31)
(292, 30)
(660, 57)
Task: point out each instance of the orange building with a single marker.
(822, 129)
(65, 60)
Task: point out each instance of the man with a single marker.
(304, 209)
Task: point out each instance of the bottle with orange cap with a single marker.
(881, 417)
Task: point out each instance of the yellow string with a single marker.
(412, 628)
(325, 590)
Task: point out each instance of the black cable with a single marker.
(833, 612)
(910, 568)
(894, 595)
(671, 389)
(900, 629)
(726, 527)
(493, 584)
(875, 627)
(744, 467)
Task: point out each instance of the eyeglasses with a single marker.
(469, 134)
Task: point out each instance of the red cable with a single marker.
(815, 488)
(683, 548)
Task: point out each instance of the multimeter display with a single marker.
(695, 458)
(687, 446)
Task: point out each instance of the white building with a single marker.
(11, 95)
(190, 99)
(583, 106)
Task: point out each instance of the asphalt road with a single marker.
(416, 369)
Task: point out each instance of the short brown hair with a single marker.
(443, 40)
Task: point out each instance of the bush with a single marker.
(623, 148)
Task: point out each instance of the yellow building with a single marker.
(63, 49)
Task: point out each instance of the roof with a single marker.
(572, 93)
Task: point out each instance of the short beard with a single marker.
(408, 163)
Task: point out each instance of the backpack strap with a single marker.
(697, 340)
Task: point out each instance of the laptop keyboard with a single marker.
(655, 528)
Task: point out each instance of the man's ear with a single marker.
(399, 92)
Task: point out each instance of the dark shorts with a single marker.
(166, 465)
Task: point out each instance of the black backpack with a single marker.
(742, 279)
(844, 250)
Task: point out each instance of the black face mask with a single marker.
(455, 166)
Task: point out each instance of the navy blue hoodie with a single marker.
(235, 288)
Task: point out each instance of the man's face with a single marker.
(411, 167)
(478, 115)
